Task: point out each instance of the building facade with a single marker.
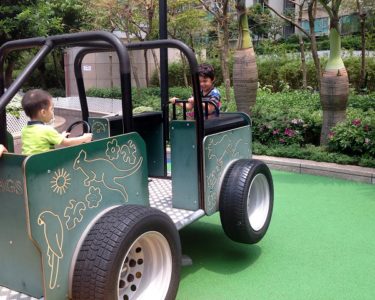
(349, 20)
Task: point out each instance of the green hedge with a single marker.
(280, 72)
(311, 152)
(348, 42)
(277, 72)
(289, 124)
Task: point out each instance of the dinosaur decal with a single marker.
(104, 171)
(54, 235)
(220, 150)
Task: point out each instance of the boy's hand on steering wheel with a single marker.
(65, 134)
(87, 137)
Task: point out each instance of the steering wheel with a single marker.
(86, 126)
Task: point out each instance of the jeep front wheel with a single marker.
(132, 252)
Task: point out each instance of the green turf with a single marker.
(320, 245)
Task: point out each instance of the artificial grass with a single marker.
(320, 245)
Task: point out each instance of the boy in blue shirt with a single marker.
(208, 90)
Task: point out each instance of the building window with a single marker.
(349, 24)
(321, 26)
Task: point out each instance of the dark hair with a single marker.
(206, 70)
(34, 101)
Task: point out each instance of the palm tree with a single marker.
(334, 89)
(245, 73)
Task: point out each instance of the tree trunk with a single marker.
(314, 48)
(134, 69)
(245, 79)
(9, 72)
(224, 57)
(245, 73)
(146, 67)
(135, 72)
(334, 87)
(42, 77)
(183, 62)
(302, 48)
(61, 85)
(363, 51)
(156, 62)
(303, 62)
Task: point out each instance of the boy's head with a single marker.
(206, 76)
(38, 105)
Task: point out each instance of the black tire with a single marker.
(126, 240)
(242, 219)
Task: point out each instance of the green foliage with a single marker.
(287, 118)
(356, 135)
(56, 92)
(288, 124)
(291, 44)
(311, 152)
(185, 22)
(276, 71)
(353, 66)
(14, 107)
(259, 20)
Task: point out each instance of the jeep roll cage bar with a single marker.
(99, 41)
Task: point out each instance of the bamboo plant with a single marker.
(245, 73)
(334, 89)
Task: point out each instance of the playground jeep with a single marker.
(101, 220)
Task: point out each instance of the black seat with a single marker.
(142, 121)
(223, 122)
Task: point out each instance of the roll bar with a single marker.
(198, 110)
(47, 45)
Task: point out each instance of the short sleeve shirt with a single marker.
(39, 138)
(214, 96)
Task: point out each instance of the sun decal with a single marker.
(60, 181)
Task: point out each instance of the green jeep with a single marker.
(100, 220)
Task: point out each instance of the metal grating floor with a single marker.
(161, 198)
(7, 294)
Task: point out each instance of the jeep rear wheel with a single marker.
(246, 201)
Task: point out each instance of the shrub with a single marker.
(311, 152)
(287, 118)
(356, 135)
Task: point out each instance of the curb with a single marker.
(348, 172)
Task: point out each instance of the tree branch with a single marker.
(288, 20)
(207, 8)
(327, 8)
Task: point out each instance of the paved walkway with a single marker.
(349, 172)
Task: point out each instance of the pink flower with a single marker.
(282, 141)
(366, 128)
(289, 132)
(356, 122)
(276, 131)
(331, 135)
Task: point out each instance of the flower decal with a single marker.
(74, 213)
(113, 150)
(128, 153)
(94, 197)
